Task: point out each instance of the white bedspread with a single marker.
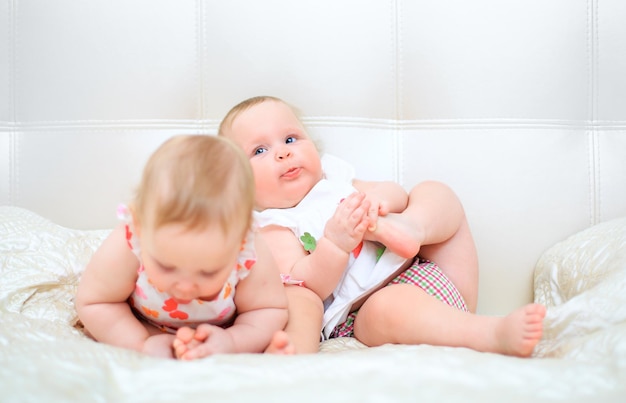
(44, 357)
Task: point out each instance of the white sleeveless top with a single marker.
(369, 264)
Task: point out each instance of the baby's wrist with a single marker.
(336, 246)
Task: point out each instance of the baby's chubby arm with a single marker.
(322, 269)
(103, 291)
(384, 197)
(261, 304)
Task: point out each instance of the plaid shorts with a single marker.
(424, 274)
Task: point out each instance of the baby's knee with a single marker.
(378, 309)
(376, 318)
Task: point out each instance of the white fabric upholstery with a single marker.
(519, 106)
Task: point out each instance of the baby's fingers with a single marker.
(352, 202)
(180, 348)
(372, 216)
(359, 219)
(196, 347)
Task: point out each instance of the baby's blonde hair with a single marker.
(243, 106)
(196, 180)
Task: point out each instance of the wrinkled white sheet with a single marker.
(44, 357)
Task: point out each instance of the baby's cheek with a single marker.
(156, 279)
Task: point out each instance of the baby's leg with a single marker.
(433, 215)
(458, 260)
(435, 223)
(405, 314)
(302, 333)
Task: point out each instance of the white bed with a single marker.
(519, 106)
(44, 356)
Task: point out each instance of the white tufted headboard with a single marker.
(519, 105)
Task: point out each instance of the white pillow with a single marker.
(580, 262)
(582, 282)
(40, 263)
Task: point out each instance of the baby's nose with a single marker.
(283, 153)
(185, 288)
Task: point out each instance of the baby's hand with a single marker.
(347, 226)
(159, 345)
(185, 341)
(378, 208)
(206, 340)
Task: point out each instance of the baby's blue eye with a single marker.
(259, 150)
(290, 139)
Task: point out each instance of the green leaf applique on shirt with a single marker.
(379, 253)
(308, 242)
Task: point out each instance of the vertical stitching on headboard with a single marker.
(200, 43)
(11, 59)
(14, 171)
(396, 5)
(595, 95)
(399, 105)
(12, 70)
(592, 104)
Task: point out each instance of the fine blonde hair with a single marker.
(243, 106)
(196, 180)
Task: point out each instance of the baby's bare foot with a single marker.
(397, 235)
(280, 344)
(519, 332)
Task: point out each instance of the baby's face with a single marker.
(189, 264)
(284, 159)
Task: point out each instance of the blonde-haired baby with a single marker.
(352, 242)
(185, 275)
